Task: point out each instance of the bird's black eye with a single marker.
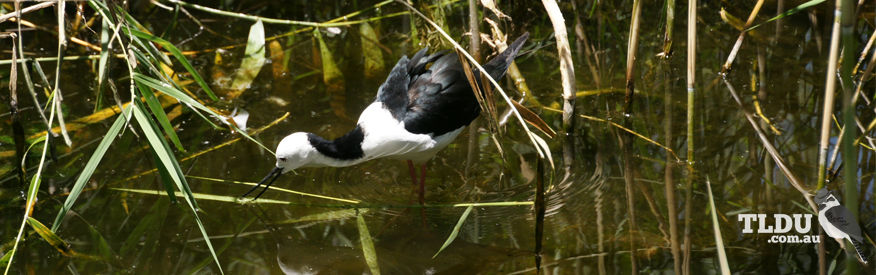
(282, 159)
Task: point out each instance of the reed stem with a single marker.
(667, 35)
(829, 98)
(691, 79)
(850, 154)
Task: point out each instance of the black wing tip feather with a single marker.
(519, 41)
(497, 66)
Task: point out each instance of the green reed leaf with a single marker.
(179, 57)
(91, 165)
(719, 241)
(253, 61)
(455, 231)
(367, 245)
(169, 162)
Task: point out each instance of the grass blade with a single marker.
(173, 92)
(154, 218)
(5, 259)
(179, 57)
(342, 214)
(455, 231)
(91, 165)
(170, 163)
(162, 150)
(201, 196)
(32, 189)
(279, 189)
(165, 178)
(367, 245)
(719, 241)
(105, 49)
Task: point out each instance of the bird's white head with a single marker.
(831, 201)
(295, 151)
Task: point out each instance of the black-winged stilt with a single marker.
(424, 104)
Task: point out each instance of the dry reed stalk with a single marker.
(632, 47)
(864, 52)
(829, 98)
(735, 50)
(771, 150)
(567, 71)
(667, 35)
(825, 126)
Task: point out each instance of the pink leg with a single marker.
(423, 193)
(413, 172)
(422, 183)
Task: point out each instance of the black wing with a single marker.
(843, 220)
(440, 98)
(393, 91)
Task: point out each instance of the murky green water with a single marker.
(587, 226)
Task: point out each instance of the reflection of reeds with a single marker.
(668, 178)
(626, 140)
(632, 47)
(539, 212)
(771, 150)
(474, 48)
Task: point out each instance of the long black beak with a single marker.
(273, 175)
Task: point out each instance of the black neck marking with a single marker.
(346, 147)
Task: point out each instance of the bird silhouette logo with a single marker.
(838, 222)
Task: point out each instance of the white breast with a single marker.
(386, 137)
(829, 228)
